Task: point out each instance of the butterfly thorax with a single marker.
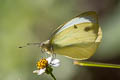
(46, 47)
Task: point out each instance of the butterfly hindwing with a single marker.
(78, 38)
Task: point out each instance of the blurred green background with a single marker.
(23, 21)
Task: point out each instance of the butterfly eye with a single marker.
(43, 44)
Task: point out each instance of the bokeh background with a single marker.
(23, 21)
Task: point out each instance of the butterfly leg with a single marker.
(52, 53)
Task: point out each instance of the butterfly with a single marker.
(77, 39)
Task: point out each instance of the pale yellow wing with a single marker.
(78, 38)
(86, 14)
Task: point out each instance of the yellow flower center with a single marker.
(43, 63)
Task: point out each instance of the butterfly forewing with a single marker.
(77, 38)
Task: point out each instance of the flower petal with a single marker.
(55, 61)
(56, 65)
(39, 72)
(49, 59)
(35, 71)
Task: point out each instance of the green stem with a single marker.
(52, 76)
(96, 64)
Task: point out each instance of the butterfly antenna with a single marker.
(31, 44)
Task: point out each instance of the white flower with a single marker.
(44, 63)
